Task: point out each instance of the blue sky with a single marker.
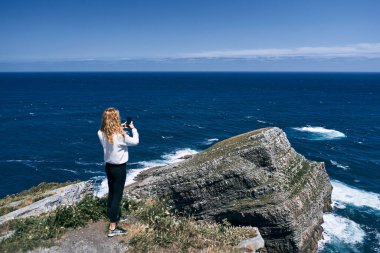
(254, 35)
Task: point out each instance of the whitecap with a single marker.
(93, 172)
(17, 161)
(168, 158)
(178, 154)
(262, 121)
(338, 205)
(28, 163)
(345, 167)
(89, 163)
(378, 242)
(343, 193)
(210, 141)
(167, 137)
(72, 171)
(338, 228)
(195, 126)
(101, 186)
(248, 117)
(321, 133)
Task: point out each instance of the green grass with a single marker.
(297, 182)
(41, 231)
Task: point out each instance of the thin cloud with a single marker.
(364, 50)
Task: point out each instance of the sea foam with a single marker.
(321, 133)
(210, 141)
(338, 228)
(168, 158)
(339, 165)
(343, 193)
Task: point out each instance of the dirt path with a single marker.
(89, 239)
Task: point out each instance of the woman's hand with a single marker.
(131, 125)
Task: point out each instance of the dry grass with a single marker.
(154, 229)
(28, 197)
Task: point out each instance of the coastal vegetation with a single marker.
(152, 228)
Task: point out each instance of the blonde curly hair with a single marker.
(111, 124)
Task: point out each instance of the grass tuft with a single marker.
(159, 230)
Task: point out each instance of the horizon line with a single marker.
(194, 71)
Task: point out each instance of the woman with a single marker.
(115, 142)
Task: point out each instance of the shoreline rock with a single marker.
(50, 200)
(254, 179)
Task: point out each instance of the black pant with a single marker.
(116, 174)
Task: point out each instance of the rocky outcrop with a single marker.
(254, 179)
(50, 200)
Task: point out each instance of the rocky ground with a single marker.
(92, 238)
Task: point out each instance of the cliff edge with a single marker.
(254, 179)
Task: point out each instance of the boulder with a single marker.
(251, 245)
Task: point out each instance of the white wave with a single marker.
(343, 193)
(167, 137)
(178, 154)
(321, 133)
(195, 126)
(338, 205)
(18, 161)
(248, 117)
(88, 163)
(340, 229)
(29, 161)
(378, 242)
(93, 172)
(72, 171)
(262, 121)
(345, 167)
(169, 158)
(210, 141)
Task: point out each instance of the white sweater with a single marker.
(117, 153)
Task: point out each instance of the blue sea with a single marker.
(49, 123)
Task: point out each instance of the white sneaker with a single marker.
(116, 231)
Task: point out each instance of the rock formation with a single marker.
(255, 179)
(50, 200)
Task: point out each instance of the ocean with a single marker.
(49, 124)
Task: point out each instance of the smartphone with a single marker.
(129, 120)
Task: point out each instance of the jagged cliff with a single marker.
(256, 179)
